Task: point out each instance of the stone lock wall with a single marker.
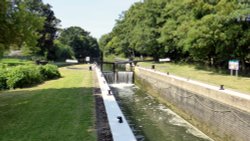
(223, 117)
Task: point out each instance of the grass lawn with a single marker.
(58, 110)
(241, 84)
(14, 61)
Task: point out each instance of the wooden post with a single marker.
(101, 65)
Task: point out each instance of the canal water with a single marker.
(150, 120)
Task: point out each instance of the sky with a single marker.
(95, 16)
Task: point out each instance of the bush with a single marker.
(49, 72)
(3, 79)
(23, 76)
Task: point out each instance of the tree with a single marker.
(81, 42)
(215, 37)
(62, 51)
(49, 33)
(137, 31)
(206, 31)
(50, 28)
(4, 28)
(19, 26)
(103, 41)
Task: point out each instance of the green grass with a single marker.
(241, 84)
(58, 110)
(14, 61)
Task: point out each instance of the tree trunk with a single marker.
(243, 65)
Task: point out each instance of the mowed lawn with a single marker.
(58, 110)
(15, 61)
(241, 84)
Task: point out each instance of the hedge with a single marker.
(25, 76)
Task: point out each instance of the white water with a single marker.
(119, 77)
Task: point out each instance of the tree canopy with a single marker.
(50, 28)
(206, 31)
(80, 41)
(19, 26)
(31, 25)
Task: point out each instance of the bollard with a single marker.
(90, 68)
(120, 119)
(221, 87)
(153, 67)
(109, 92)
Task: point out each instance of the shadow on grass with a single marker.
(47, 114)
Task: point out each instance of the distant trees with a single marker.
(80, 41)
(206, 31)
(62, 51)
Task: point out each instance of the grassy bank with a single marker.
(58, 110)
(14, 61)
(241, 84)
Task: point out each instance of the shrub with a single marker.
(49, 72)
(23, 76)
(3, 79)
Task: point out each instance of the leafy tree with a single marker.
(49, 33)
(81, 42)
(207, 31)
(63, 51)
(19, 25)
(136, 31)
(50, 28)
(29, 24)
(103, 44)
(4, 28)
(214, 38)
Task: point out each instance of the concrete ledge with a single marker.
(120, 131)
(229, 97)
(223, 114)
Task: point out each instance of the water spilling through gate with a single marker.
(119, 77)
